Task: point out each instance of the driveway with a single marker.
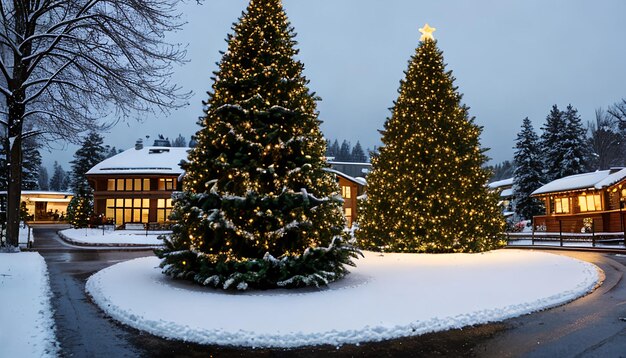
(589, 327)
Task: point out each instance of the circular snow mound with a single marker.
(390, 296)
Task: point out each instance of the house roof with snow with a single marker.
(145, 160)
(357, 180)
(593, 181)
(501, 183)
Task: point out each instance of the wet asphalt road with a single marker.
(588, 327)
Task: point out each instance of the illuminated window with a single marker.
(128, 210)
(589, 202)
(346, 192)
(348, 213)
(164, 209)
(136, 184)
(166, 184)
(561, 205)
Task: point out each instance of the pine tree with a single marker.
(58, 178)
(80, 211)
(528, 171)
(91, 152)
(257, 207)
(344, 154)
(31, 161)
(502, 170)
(43, 179)
(180, 141)
(111, 152)
(551, 144)
(334, 149)
(575, 147)
(427, 188)
(358, 155)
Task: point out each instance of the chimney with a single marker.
(139, 144)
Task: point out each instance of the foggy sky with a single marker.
(511, 59)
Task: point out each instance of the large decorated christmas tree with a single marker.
(257, 207)
(427, 189)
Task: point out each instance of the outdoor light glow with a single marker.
(427, 32)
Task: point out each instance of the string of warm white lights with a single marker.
(426, 191)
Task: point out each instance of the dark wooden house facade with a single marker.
(584, 203)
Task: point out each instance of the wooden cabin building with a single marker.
(351, 189)
(584, 203)
(136, 185)
(505, 189)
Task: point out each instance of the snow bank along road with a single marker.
(26, 324)
(385, 297)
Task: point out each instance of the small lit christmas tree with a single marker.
(257, 208)
(91, 152)
(426, 191)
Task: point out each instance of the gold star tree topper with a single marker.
(427, 32)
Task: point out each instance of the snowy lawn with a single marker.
(109, 237)
(390, 296)
(26, 323)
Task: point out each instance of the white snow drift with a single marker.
(26, 323)
(113, 237)
(385, 297)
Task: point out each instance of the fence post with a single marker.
(532, 237)
(560, 233)
(593, 232)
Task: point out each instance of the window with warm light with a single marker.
(164, 209)
(561, 205)
(166, 184)
(128, 210)
(589, 202)
(346, 192)
(348, 213)
(137, 184)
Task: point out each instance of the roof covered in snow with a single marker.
(500, 183)
(357, 180)
(147, 160)
(594, 180)
(506, 193)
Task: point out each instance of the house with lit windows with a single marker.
(505, 189)
(584, 203)
(351, 189)
(135, 186)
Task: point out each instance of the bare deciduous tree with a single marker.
(618, 110)
(605, 141)
(67, 66)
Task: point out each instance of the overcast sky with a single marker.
(511, 59)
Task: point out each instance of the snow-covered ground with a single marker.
(109, 237)
(385, 297)
(26, 323)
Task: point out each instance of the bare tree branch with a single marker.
(74, 65)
